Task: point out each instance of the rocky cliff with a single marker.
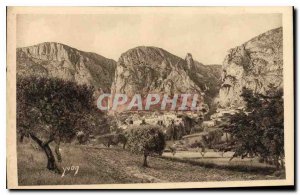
(61, 61)
(256, 65)
(153, 70)
(139, 70)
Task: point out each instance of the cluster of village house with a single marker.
(167, 118)
(216, 119)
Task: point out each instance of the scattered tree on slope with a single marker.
(146, 140)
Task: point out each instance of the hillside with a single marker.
(114, 165)
(154, 70)
(256, 64)
(51, 59)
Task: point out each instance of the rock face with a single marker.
(256, 65)
(139, 70)
(153, 70)
(61, 61)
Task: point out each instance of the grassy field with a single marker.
(115, 165)
(216, 160)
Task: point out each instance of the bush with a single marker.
(113, 139)
(213, 138)
(146, 140)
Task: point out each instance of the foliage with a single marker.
(113, 139)
(55, 106)
(212, 138)
(146, 139)
(54, 110)
(259, 130)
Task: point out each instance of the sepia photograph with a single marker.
(149, 97)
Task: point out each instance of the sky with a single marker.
(207, 37)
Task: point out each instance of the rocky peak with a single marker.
(154, 70)
(190, 62)
(150, 69)
(50, 51)
(52, 59)
(150, 56)
(256, 65)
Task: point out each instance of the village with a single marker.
(185, 131)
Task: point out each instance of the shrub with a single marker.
(112, 139)
(146, 140)
(213, 138)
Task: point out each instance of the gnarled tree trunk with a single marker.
(56, 140)
(145, 164)
(146, 154)
(21, 139)
(51, 164)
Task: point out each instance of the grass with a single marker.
(216, 163)
(115, 165)
(214, 160)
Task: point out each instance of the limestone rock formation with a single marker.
(154, 70)
(256, 65)
(61, 61)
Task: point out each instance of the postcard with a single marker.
(149, 97)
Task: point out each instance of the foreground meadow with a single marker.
(97, 165)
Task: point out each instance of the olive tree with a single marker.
(146, 140)
(259, 131)
(53, 110)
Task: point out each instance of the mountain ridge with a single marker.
(148, 69)
(51, 59)
(257, 65)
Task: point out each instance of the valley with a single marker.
(236, 132)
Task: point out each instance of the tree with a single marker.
(53, 110)
(113, 139)
(212, 138)
(200, 145)
(146, 140)
(259, 130)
